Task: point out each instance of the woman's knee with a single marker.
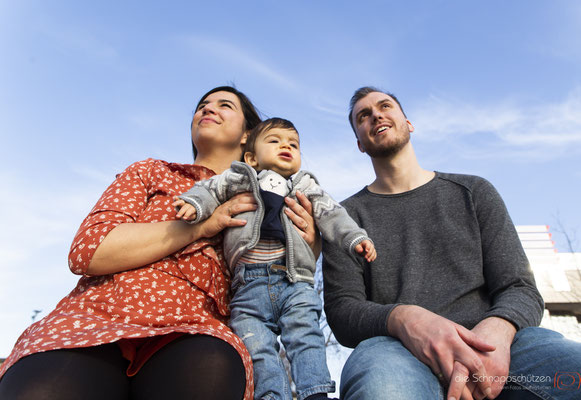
(68, 374)
(193, 367)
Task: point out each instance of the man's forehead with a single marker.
(372, 99)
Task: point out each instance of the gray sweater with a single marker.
(448, 246)
(332, 220)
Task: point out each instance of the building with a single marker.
(558, 277)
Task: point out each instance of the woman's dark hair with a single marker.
(264, 126)
(251, 117)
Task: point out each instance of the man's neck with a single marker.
(399, 173)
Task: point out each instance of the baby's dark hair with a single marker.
(264, 126)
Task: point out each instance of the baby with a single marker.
(272, 265)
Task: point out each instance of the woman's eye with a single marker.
(226, 105)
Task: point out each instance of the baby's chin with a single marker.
(286, 174)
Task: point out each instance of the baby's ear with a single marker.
(250, 159)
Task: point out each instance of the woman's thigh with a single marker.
(192, 367)
(83, 373)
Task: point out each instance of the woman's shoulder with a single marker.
(161, 167)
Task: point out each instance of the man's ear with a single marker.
(250, 159)
(410, 125)
(361, 149)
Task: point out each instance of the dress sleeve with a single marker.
(508, 275)
(122, 202)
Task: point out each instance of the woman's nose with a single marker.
(208, 109)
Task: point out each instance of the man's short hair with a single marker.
(364, 91)
(264, 126)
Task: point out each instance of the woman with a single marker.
(147, 319)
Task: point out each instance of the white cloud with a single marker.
(67, 38)
(527, 129)
(37, 229)
(236, 55)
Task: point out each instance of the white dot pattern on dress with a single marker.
(184, 292)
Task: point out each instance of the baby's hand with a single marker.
(367, 249)
(186, 211)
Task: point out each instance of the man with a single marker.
(450, 303)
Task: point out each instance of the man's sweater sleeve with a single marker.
(350, 315)
(509, 278)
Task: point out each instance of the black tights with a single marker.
(191, 367)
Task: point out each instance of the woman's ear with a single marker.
(250, 159)
(244, 138)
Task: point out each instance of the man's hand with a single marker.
(499, 333)
(451, 351)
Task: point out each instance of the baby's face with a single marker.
(278, 150)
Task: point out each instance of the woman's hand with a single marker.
(301, 215)
(223, 215)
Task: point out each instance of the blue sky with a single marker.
(493, 88)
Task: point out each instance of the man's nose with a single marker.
(376, 114)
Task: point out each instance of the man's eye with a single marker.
(386, 105)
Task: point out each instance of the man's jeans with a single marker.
(266, 304)
(543, 365)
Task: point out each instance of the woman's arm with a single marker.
(133, 245)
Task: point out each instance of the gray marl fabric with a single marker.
(448, 246)
(331, 219)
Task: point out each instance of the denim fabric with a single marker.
(543, 365)
(265, 305)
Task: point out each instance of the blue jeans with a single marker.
(265, 305)
(543, 365)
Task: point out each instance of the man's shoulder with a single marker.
(465, 181)
(354, 200)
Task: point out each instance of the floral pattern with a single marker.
(184, 292)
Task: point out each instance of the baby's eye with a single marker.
(295, 146)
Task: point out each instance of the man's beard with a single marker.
(391, 148)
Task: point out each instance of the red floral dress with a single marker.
(185, 292)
